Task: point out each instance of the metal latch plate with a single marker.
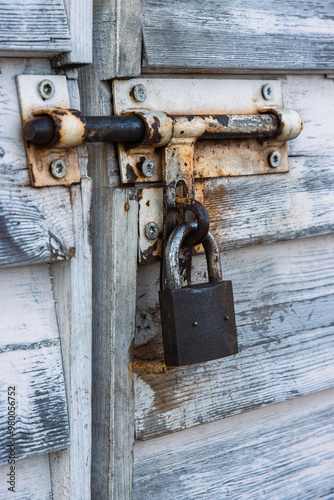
(182, 96)
(39, 159)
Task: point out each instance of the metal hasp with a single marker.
(198, 321)
(55, 165)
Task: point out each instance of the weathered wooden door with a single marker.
(257, 424)
(45, 268)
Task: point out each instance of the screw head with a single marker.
(151, 231)
(46, 89)
(139, 93)
(275, 159)
(148, 168)
(58, 169)
(268, 92)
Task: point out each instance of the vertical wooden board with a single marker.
(117, 38)
(285, 451)
(80, 17)
(113, 325)
(283, 296)
(31, 365)
(183, 36)
(32, 479)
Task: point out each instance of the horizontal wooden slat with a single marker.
(285, 451)
(35, 226)
(30, 361)
(222, 36)
(33, 27)
(32, 480)
(284, 297)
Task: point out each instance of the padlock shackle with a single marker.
(172, 255)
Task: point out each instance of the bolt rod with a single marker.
(131, 128)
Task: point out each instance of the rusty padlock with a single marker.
(198, 321)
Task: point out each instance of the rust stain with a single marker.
(126, 207)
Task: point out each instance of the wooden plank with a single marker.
(71, 468)
(285, 451)
(284, 313)
(32, 480)
(278, 36)
(35, 224)
(80, 16)
(114, 224)
(33, 28)
(113, 325)
(31, 363)
(117, 32)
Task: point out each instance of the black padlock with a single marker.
(198, 321)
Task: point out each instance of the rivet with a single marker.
(139, 92)
(268, 91)
(148, 168)
(195, 323)
(151, 231)
(226, 317)
(46, 89)
(275, 159)
(58, 169)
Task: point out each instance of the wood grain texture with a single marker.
(30, 360)
(285, 451)
(277, 36)
(114, 239)
(117, 38)
(71, 469)
(80, 18)
(32, 480)
(283, 297)
(33, 28)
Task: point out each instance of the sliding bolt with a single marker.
(58, 169)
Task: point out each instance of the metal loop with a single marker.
(172, 255)
(198, 235)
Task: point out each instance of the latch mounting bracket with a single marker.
(36, 94)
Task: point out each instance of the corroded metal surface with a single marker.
(198, 321)
(40, 159)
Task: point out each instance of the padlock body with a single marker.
(198, 323)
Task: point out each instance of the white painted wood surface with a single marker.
(80, 18)
(71, 469)
(278, 36)
(283, 297)
(30, 360)
(33, 28)
(32, 480)
(284, 451)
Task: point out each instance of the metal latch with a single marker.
(173, 131)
